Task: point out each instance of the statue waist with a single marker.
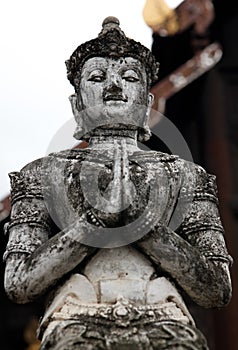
(120, 314)
(122, 302)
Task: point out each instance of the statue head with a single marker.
(111, 75)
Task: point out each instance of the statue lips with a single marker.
(115, 97)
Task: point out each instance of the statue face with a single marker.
(111, 92)
(113, 83)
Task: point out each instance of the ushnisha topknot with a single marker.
(111, 42)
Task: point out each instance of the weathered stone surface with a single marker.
(112, 233)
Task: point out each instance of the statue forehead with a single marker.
(106, 62)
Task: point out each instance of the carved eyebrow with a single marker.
(130, 67)
(97, 66)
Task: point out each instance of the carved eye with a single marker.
(131, 76)
(96, 76)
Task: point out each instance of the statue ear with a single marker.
(150, 100)
(76, 109)
(146, 134)
(75, 105)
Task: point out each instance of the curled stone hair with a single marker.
(111, 42)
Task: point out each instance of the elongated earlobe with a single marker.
(146, 134)
(76, 109)
(75, 106)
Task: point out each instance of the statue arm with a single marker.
(206, 281)
(35, 258)
(195, 256)
(27, 276)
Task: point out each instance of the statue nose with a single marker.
(114, 84)
(113, 88)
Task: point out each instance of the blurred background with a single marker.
(195, 42)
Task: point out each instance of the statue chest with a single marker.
(113, 192)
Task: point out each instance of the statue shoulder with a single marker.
(204, 183)
(192, 176)
(177, 165)
(70, 154)
(40, 164)
(154, 157)
(35, 165)
(194, 169)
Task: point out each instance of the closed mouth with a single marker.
(115, 98)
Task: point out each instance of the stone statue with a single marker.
(102, 232)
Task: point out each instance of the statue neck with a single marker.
(102, 138)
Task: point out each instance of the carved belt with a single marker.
(122, 313)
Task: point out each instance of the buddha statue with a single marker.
(112, 235)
